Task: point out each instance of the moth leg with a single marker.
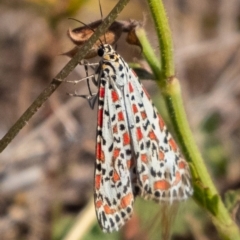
(86, 65)
(91, 99)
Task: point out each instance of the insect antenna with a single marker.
(86, 26)
(85, 66)
(100, 7)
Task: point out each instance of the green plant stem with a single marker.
(56, 82)
(164, 36)
(205, 192)
(149, 53)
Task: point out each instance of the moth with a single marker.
(135, 153)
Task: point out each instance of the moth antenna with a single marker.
(86, 26)
(100, 7)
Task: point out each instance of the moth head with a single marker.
(107, 52)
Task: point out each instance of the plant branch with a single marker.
(164, 37)
(205, 192)
(148, 52)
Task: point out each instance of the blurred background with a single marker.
(46, 173)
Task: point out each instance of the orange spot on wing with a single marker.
(130, 163)
(139, 134)
(98, 181)
(182, 165)
(143, 115)
(108, 210)
(173, 144)
(115, 176)
(161, 155)
(152, 135)
(134, 108)
(144, 158)
(130, 87)
(101, 92)
(115, 129)
(102, 156)
(126, 200)
(100, 117)
(178, 178)
(120, 116)
(99, 153)
(98, 204)
(162, 185)
(126, 139)
(115, 96)
(161, 122)
(116, 152)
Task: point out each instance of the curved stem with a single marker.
(205, 192)
(149, 53)
(164, 37)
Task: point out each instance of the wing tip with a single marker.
(115, 221)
